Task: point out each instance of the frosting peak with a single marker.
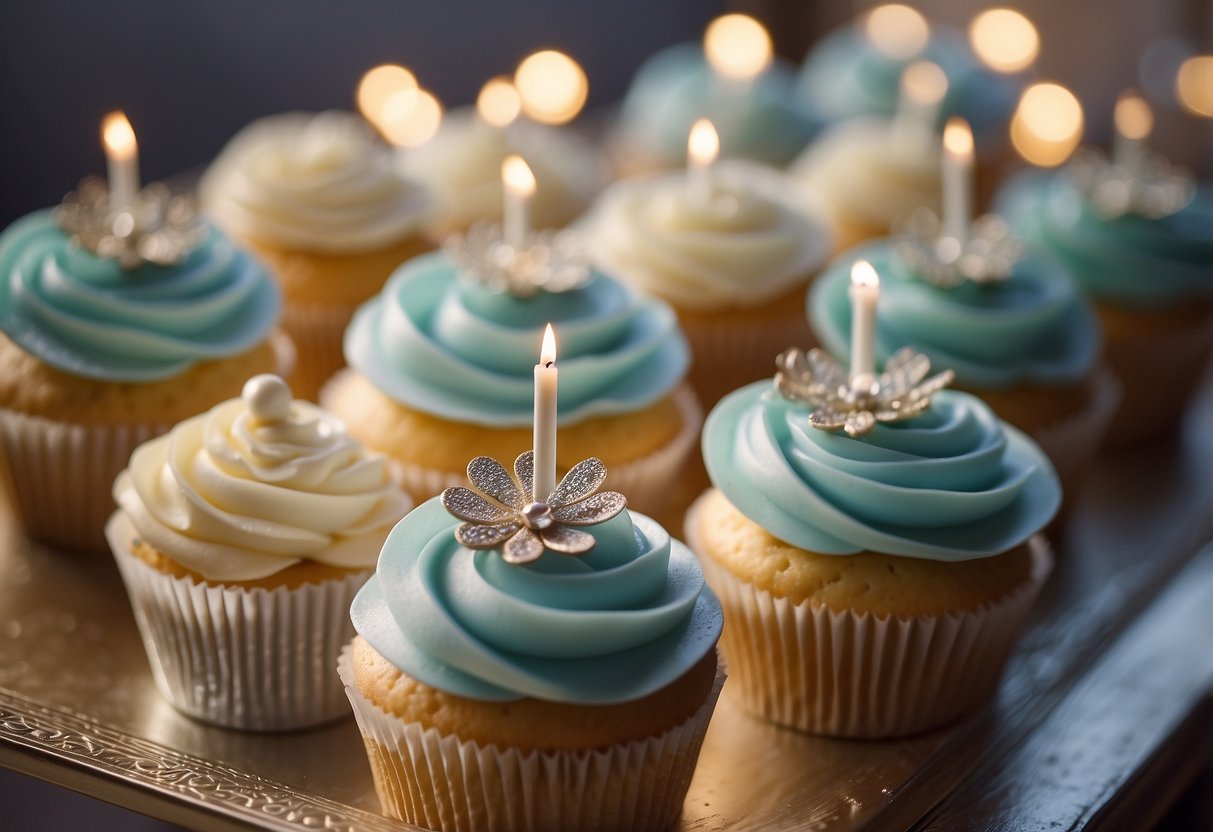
(258, 484)
(313, 182)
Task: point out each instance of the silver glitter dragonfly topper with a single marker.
(986, 256)
(548, 261)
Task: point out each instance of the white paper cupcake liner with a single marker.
(648, 482)
(850, 674)
(444, 783)
(317, 331)
(259, 660)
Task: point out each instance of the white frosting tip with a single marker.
(268, 398)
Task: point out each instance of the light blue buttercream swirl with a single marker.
(88, 316)
(1130, 259)
(453, 348)
(845, 75)
(1035, 327)
(615, 625)
(762, 119)
(952, 484)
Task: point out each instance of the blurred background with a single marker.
(189, 75)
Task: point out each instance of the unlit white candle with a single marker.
(957, 179)
(122, 161)
(545, 418)
(864, 293)
(518, 187)
(703, 146)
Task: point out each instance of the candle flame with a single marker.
(378, 85)
(1194, 85)
(862, 274)
(517, 177)
(897, 30)
(924, 83)
(703, 145)
(552, 86)
(1047, 125)
(498, 103)
(737, 46)
(1133, 117)
(958, 138)
(118, 136)
(1004, 39)
(547, 353)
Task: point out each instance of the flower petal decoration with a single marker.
(500, 509)
(548, 261)
(902, 391)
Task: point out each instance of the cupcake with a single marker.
(873, 580)
(734, 261)
(759, 118)
(326, 207)
(1019, 333)
(103, 351)
(533, 669)
(461, 165)
(441, 366)
(242, 536)
(1149, 277)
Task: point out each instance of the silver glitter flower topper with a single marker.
(987, 256)
(1154, 188)
(900, 392)
(501, 510)
(549, 261)
(159, 228)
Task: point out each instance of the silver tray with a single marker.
(1127, 605)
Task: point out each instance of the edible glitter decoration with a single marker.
(988, 256)
(898, 393)
(551, 261)
(1153, 189)
(160, 228)
(500, 508)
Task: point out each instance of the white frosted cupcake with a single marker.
(242, 537)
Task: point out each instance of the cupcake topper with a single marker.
(501, 508)
(123, 222)
(1133, 180)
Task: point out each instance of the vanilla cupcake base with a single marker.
(860, 675)
(317, 330)
(258, 660)
(445, 783)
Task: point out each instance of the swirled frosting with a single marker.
(462, 166)
(258, 484)
(1129, 259)
(90, 317)
(747, 244)
(846, 76)
(615, 625)
(952, 484)
(762, 119)
(1035, 327)
(313, 183)
(862, 171)
(451, 347)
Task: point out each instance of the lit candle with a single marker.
(737, 47)
(545, 418)
(1134, 123)
(923, 85)
(957, 179)
(122, 160)
(864, 293)
(498, 103)
(519, 187)
(703, 146)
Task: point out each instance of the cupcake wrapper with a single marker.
(317, 331)
(259, 660)
(850, 674)
(648, 481)
(444, 783)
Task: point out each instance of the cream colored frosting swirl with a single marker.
(258, 484)
(862, 170)
(746, 243)
(313, 182)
